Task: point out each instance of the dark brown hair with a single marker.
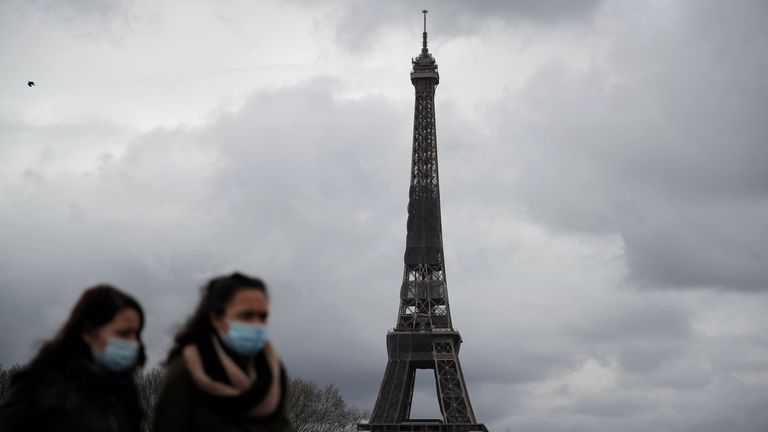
(96, 307)
(215, 297)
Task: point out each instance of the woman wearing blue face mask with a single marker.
(82, 380)
(222, 372)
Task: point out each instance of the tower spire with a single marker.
(424, 49)
(424, 65)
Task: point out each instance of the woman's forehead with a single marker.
(127, 316)
(249, 298)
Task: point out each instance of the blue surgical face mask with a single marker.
(119, 355)
(245, 338)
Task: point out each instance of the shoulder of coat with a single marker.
(176, 370)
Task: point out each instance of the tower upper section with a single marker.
(423, 294)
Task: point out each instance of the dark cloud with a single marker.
(85, 8)
(89, 19)
(639, 321)
(640, 337)
(358, 24)
(753, 420)
(610, 406)
(663, 144)
(682, 374)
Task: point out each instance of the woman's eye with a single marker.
(247, 316)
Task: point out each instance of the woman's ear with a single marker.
(217, 321)
(90, 334)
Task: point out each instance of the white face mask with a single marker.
(245, 338)
(119, 355)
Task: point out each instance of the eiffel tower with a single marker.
(423, 337)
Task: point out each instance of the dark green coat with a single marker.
(183, 407)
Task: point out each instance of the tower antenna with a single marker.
(424, 46)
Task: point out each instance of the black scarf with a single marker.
(241, 404)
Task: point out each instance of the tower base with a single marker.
(422, 427)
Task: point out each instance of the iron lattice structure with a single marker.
(423, 337)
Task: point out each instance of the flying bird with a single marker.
(31, 83)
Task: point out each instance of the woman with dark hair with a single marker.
(82, 379)
(222, 372)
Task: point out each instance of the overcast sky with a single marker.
(604, 175)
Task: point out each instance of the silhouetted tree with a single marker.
(6, 373)
(321, 409)
(149, 383)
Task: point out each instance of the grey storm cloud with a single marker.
(87, 19)
(663, 144)
(101, 8)
(359, 23)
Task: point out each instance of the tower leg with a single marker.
(396, 393)
(451, 390)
